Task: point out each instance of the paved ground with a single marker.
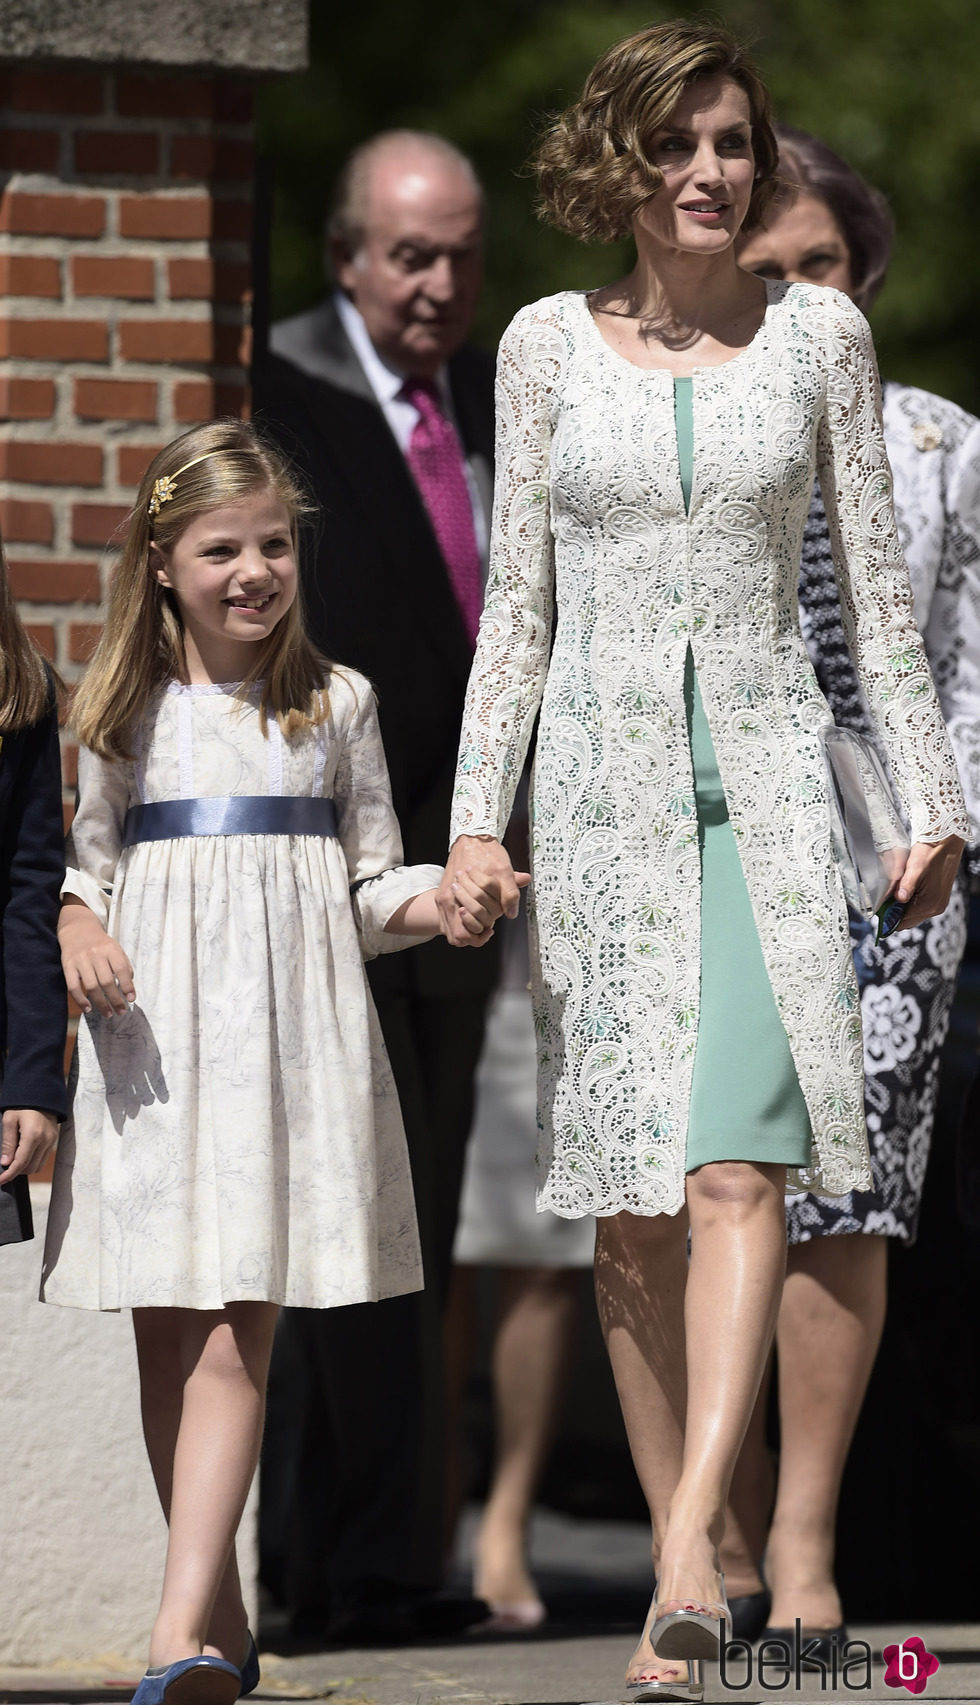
(594, 1576)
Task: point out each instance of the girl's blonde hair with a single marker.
(25, 688)
(593, 164)
(142, 643)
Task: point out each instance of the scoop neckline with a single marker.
(750, 349)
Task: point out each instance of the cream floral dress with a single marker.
(237, 1135)
(599, 584)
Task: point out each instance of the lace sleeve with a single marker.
(875, 596)
(952, 633)
(511, 662)
(95, 837)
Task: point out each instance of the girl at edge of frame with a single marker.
(699, 1042)
(235, 1140)
(33, 1008)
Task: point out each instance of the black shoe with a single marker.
(750, 1613)
(379, 1618)
(820, 1641)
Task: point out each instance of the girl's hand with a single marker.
(28, 1138)
(927, 880)
(484, 861)
(96, 969)
(479, 904)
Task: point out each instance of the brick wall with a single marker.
(125, 222)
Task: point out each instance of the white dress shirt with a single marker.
(386, 382)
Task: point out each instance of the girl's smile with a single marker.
(232, 572)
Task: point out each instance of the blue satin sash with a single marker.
(262, 814)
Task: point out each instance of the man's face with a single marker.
(416, 276)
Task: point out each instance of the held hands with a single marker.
(96, 969)
(29, 1135)
(480, 886)
(927, 880)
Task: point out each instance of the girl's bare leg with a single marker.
(536, 1318)
(202, 1380)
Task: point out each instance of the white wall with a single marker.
(82, 1546)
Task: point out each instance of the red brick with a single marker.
(133, 461)
(51, 464)
(27, 90)
(43, 636)
(211, 157)
(83, 637)
(166, 340)
(232, 345)
(29, 150)
(234, 100)
(54, 340)
(113, 275)
(49, 582)
(232, 281)
(98, 523)
(30, 275)
(39, 215)
(115, 399)
(26, 399)
(190, 278)
(233, 399)
(146, 96)
(129, 152)
(233, 221)
(194, 400)
(180, 218)
(69, 765)
(31, 523)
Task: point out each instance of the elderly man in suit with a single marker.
(389, 413)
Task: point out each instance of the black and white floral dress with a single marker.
(907, 982)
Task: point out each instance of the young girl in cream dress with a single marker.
(235, 1141)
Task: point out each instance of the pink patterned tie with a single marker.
(435, 457)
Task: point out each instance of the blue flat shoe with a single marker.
(191, 1681)
(250, 1670)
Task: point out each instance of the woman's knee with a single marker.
(638, 1235)
(738, 1187)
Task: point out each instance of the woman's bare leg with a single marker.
(738, 1260)
(640, 1279)
(688, 1347)
(536, 1318)
(202, 1382)
(750, 1502)
(830, 1325)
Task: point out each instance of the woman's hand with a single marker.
(927, 880)
(29, 1135)
(96, 969)
(475, 862)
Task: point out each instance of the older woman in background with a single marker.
(827, 226)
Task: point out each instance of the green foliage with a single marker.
(890, 83)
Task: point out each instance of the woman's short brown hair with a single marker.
(807, 166)
(592, 165)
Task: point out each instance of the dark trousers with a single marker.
(354, 1459)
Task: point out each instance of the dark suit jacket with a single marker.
(376, 590)
(32, 990)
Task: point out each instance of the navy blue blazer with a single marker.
(33, 1004)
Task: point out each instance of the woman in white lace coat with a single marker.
(645, 614)
(829, 227)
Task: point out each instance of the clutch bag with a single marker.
(868, 834)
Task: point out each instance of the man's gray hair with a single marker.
(346, 218)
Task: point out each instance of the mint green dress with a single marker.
(746, 1101)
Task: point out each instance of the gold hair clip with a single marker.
(166, 485)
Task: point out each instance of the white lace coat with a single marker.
(599, 583)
